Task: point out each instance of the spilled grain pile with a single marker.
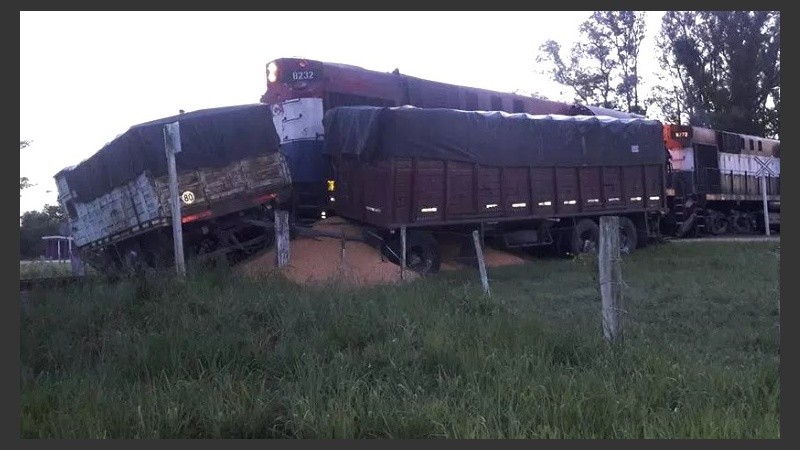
(320, 259)
(497, 258)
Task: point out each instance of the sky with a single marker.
(86, 77)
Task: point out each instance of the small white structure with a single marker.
(58, 248)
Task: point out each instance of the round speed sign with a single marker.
(188, 197)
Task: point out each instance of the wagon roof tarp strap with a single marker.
(492, 138)
(212, 137)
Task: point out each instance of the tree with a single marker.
(724, 67)
(603, 66)
(667, 98)
(625, 31)
(24, 183)
(568, 74)
(35, 224)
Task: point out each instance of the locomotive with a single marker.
(721, 182)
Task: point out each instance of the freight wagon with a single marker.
(300, 91)
(523, 180)
(230, 177)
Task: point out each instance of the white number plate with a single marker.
(303, 75)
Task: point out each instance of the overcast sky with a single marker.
(86, 77)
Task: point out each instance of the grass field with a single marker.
(44, 269)
(221, 356)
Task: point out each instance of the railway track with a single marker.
(730, 238)
(26, 284)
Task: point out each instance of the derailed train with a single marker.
(541, 174)
(712, 182)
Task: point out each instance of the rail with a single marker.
(26, 284)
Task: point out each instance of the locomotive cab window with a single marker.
(518, 106)
(760, 146)
(751, 145)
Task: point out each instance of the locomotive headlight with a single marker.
(272, 72)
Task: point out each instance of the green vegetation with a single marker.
(33, 225)
(223, 356)
(44, 268)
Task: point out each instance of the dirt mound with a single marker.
(319, 259)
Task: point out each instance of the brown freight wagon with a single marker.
(523, 180)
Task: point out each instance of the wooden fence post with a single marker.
(282, 237)
(78, 269)
(172, 145)
(77, 266)
(476, 239)
(403, 252)
(764, 202)
(778, 255)
(343, 241)
(610, 278)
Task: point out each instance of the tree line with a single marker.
(719, 69)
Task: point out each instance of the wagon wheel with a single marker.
(422, 252)
(717, 223)
(208, 253)
(742, 224)
(585, 237)
(628, 235)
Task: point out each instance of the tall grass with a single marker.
(44, 269)
(222, 356)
